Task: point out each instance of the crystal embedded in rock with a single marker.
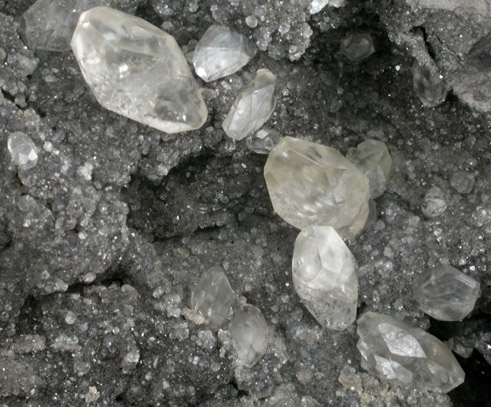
(221, 52)
(314, 185)
(22, 150)
(357, 47)
(263, 141)
(137, 70)
(252, 107)
(405, 355)
(373, 159)
(324, 276)
(429, 86)
(317, 5)
(434, 203)
(445, 293)
(463, 182)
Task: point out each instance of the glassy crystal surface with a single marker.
(249, 333)
(405, 355)
(22, 150)
(213, 297)
(137, 70)
(324, 276)
(317, 5)
(434, 203)
(253, 106)
(429, 86)
(463, 182)
(314, 185)
(263, 141)
(373, 159)
(357, 47)
(221, 52)
(445, 293)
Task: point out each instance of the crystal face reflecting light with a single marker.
(22, 150)
(137, 70)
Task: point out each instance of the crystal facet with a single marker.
(137, 70)
(317, 5)
(405, 355)
(324, 276)
(263, 141)
(429, 86)
(22, 150)
(213, 297)
(221, 52)
(253, 106)
(357, 47)
(373, 159)
(311, 184)
(434, 203)
(445, 293)
(249, 333)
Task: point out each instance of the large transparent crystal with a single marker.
(22, 150)
(373, 159)
(213, 297)
(357, 46)
(324, 276)
(405, 355)
(249, 333)
(311, 184)
(263, 141)
(252, 107)
(137, 70)
(445, 293)
(221, 52)
(429, 86)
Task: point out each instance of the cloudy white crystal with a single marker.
(324, 276)
(445, 293)
(317, 5)
(22, 150)
(314, 185)
(357, 46)
(263, 141)
(405, 355)
(137, 70)
(429, 86)
(221, 52)
(434, 203)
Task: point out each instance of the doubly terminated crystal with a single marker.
(405, 355)
(137, 70)
(252, 107)
(314, 185)
(357, 47)
(22, 150)
(221, 52)
(324, 276)
(445, 293)
(429, 86)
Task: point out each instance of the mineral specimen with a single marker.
(213, 297)
(22, 150)
(445, 293)
(434, 203)
(324, 276)
(314, 185)
(221, 52)
(317, 5)
(405, 355)
(263, 141)
(357, 47)
(373, 159)
(249, 333)
(137, 70)
(463, 182)
(252, 107)
(429, 86)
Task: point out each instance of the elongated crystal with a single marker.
(429, 86)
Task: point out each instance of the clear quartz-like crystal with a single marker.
(252, 107)
(22, 150)
(213, 297)
(405, 355)
(221, 52)
(373, 159)
(357, 47)
(324, 276)
(445, 293)
(311, 184)
(263, 141)
(249, 333)
(429, 86)
(137, 70)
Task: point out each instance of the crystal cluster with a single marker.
(314, 185)
(324, 276)
(405, 355)
(429, 86)
(357, 47)
(221, 52)
(22, 150)
(263, 141)
(137, 70)
(445, 293)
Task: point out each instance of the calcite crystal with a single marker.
(137, 70)
(445, 293)
(324, 276)
(405, 355)
(221, 52)
(429, 86)
(213, 297)
(22, 150)
(252, 107)
(373, 159)
(357, 46)
(263, 141)
(314, 185)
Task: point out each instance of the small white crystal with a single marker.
(357, 47)
(463, 182)
(263, 141)
(445, 293)
(405, 355)
(314, 185)
(22, 150)
(137, 70)
(252, 107)
(429, 86)
(221, 52)
(434, 203)
(317, 5)
(324, 276)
